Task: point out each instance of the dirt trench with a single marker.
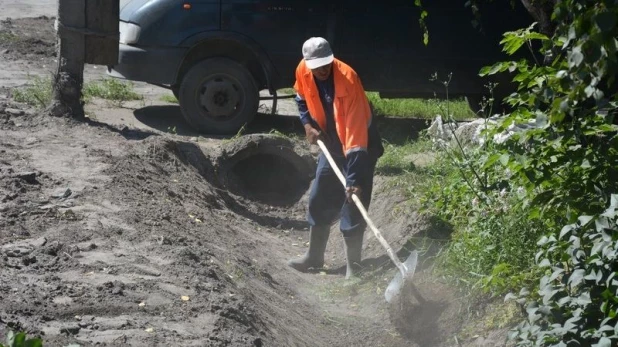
(112, 235)
(118, 237)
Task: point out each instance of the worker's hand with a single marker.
(352, 190)
(312, 134)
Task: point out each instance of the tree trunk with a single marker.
(69, 77)
(541, 11)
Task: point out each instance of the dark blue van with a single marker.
(216, 55)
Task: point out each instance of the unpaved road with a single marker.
(116, 232)
(27, 8)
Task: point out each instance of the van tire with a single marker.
(218, 96)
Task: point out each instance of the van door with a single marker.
(279, 26)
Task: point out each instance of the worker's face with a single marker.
(323, 72)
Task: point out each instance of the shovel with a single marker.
(407, 268)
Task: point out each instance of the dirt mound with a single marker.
(116, 241)
(268, 169)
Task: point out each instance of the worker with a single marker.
(333, 106)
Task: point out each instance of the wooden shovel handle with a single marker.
(363, 211)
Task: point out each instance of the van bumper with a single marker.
(154, 65)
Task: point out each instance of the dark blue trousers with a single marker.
(327, 198)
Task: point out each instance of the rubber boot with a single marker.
(314, 257)
(353, 249)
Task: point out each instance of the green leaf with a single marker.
(577, 276)
(589, 90)
(597, 247)
(512, 42)
(575, 57)
(490, 70)
(604, 342)
(524, 292)
(542, 241)
(584, 220)
(609, 213)
(504, 159)
(491, 160)
(601, 223)
(565, 230)
(35, 343)
(19, 339)
(606, 21)
(541, 120)
(536, 36)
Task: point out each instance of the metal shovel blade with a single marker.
(394, 288)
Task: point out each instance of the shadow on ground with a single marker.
(165, 118)
(124, 131)
(398, 131)
(168, 118)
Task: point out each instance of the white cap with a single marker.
(317, 52)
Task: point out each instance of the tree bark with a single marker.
(541, 11)
(69, 78)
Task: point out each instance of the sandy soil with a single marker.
(27, 8)
(116, 232)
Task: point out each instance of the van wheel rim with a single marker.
(221, 96)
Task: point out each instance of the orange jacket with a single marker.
(352, 112)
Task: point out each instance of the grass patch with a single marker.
(169, 98)
(37, 94)
(286, 91)
(8, 37)
(420, 108)
(111, 89)
(410, 168)
(413, 108)
(402, 159)
(496, 315)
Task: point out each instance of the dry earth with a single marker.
(115, 232)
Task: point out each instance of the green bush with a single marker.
(20, 340)
(567, 168)
(492, 247)
(577, 298)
